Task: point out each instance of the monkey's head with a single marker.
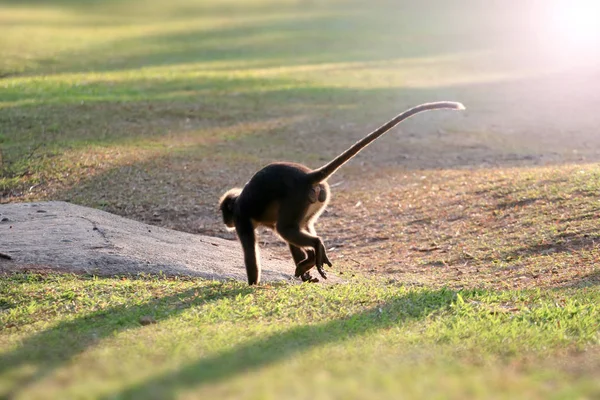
(227, 206)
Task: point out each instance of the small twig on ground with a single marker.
(425, 249)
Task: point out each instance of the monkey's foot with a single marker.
(307, 277)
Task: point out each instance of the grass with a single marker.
(83, 80)
(68, 336)
(496, 228)
(468, 240)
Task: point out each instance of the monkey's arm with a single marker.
(245, 231)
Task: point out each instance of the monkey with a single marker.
(288, 198)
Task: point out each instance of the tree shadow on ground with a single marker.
(508, 204)
(287, 41)
(59, 3)
(176, 120)
(81, 333)
(586, 241)
(278, 347)
(102, 112)
(559, 243)
(589, 280)
(272, 35)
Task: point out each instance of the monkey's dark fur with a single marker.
(288, 198)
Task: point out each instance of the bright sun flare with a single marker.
(574, 22)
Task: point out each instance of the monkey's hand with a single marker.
(322, 271)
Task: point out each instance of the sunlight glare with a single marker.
(574, 23)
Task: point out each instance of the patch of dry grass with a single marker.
(494, 228)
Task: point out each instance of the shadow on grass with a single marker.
(589, 280)
(559, 243)
(50, 349)
(274, 43)
(505, 205)
(102, 112)
(263, 352)
(110, 112)
(58, 3)
(592, 214)
(565, 242)
(202, 119)
(273, 34)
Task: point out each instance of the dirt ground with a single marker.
(533, 115)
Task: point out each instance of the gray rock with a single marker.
(70, 238)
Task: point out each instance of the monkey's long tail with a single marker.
(321, 174)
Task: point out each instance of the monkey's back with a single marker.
(277, 182)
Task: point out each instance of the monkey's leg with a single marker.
(294, 235)
(304, 260)
(245, 231)
(311, 228)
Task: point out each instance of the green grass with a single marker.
(76, 337)
(473, 235)
(81, 80)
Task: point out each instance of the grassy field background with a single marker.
(469, 239)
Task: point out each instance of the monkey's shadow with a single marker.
(86, 331)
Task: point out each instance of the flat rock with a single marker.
(64, 237)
